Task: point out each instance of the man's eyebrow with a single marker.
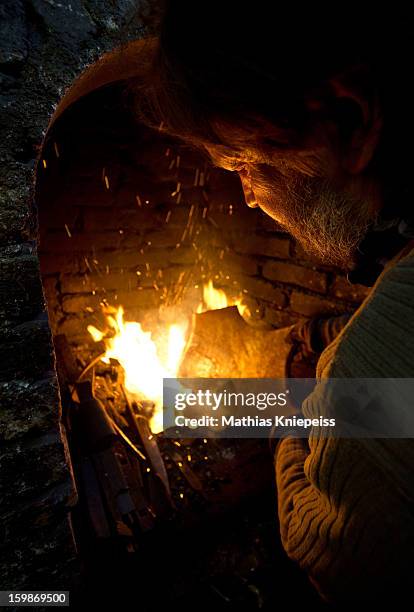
(229, 164)
(230, 160)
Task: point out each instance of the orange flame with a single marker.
(214, 299)
(137, 353)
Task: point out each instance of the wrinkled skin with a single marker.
(310, 192)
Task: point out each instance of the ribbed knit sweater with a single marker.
(346, 506)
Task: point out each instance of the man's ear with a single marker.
(359, 115)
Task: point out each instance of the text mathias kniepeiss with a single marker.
(252, 421)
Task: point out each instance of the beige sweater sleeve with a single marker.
(346, 506)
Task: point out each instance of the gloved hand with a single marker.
(308, 340)
(317, 333)
(306, 334)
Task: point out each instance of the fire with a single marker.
(214, 299)
(95, 333)
(137, 353)
(144, 364)
(176, 344)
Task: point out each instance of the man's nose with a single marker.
(248, 191)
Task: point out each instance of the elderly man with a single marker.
(309, 107)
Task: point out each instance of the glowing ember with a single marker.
(137, 353)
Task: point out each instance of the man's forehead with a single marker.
(228, 157)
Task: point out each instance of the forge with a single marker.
(152, 266)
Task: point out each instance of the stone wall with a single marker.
(44, 46)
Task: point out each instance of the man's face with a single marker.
(306, 194)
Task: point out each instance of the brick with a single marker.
(54, 316)
(279, 318)
(312, 305)
(144, 298)
(161, 277)
(58, 242)
(232, 222)
(296, 275)
(75, 325)
(93, 282)
(58, 263)
(166, 237)
(81, 303)
(132, 240)
(217, 239)
(238, 263)
(171, 275)
(117, 259)
(49, 287)
(128, 258)
(152, 196)
(268, 224)
(57, 216)
(72, 283)
(183, 255)
(116, 218)
(78, 191)
(274, 246)
(259, 288)
(150, 271)
(177, 215)
(343, 289)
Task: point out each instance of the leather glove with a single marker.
(308, 340)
